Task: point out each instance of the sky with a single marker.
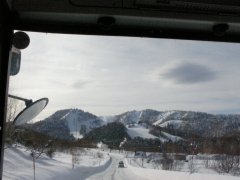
(111, 75)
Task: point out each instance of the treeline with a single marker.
(229, 145)
(39, 142)
(111, 134)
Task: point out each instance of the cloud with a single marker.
(189, 73)
(80, 84)
(111, 75)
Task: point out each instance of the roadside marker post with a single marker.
(73, 160)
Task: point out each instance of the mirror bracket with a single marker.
(28, 102)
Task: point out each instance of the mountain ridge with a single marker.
(73, 124)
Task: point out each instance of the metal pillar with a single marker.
(6, 33)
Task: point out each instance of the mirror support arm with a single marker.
(27, 101)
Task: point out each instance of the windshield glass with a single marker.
(156, 103)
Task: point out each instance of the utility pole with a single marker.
(33, 158)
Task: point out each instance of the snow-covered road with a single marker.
(115, 173)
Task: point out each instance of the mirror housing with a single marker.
(15, 61)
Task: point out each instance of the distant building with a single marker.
(140, 153)
(180, 157)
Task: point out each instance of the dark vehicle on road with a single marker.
(121, 164)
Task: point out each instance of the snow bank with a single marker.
(153, 174)
(18, 165)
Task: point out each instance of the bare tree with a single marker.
(13, 136)
(177, 165)
(156, 163)
(167, 162)
(11, 133)
(226, 164)
(76, 156)
(227, 160)
(192, 164)
(127, 153)
(13, 108)
(99, 155)
(207, 150)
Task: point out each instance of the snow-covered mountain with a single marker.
(74, 123)
(68, 124)
(199, 123)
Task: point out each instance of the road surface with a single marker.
(115, 173)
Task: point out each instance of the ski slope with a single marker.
(139, 131)
(176, 123)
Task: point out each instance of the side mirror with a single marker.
(15, 61)
(31, 110)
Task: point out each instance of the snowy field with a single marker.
(18, 165)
